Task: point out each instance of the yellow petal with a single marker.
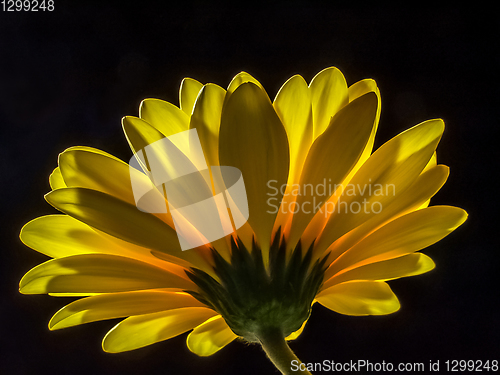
(253, 139)
(329, 93)
(297, 333)
(293, 106)
(61, 235)
(173, 159)
(206, 120)
(163, 116)
(93, 170)
(119, 305)
(56, 179)
(97, 273)
(139, 133)
(345, 139)
(92, 149)
(210, 337)
(360, 298)
(188, 93)
(432, 163)
(139, 331)
(239, 79)
(407, 265)
(424, 187)
(362, 87)
(357, 90)
(119, 219)
(404, 235)
(393, 168)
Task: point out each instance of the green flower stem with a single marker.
(278, 351)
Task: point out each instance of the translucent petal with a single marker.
(295, 335)
(61, 235)
(139, 331)
(424, 187)
(357, 90)
(206, 120)
(360, 298)
(293, 106)
(97, 273)
(210, 337)
(139, 133)
(164, 116)
(93, 170)
(404, 235)
(345, 138)
(253, 139)
(56, 179)
(387, 173)
(119, 305)
(188, 93)
(407, 265)
(362, 87)
(432, 163)
(239, 79)
(329, 93)
(92, 149)
(119, 219)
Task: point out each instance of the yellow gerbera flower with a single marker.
(329, 221)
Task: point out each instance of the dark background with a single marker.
(68, 76)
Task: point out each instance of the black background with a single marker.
(68, 76)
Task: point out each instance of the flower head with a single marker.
(329, 221)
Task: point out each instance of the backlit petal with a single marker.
(360, 298)
(188, 93)
(164, 116)
(357, 90)
(345, 138)
(239, 79)
(139, 331)
(139, 133)
(93, 170)
(424, 187)
(210, 337)
(407, 265)
(404, 235)
(61, 235)
(119, 305)
(206, 120)
(395, 165)
(97, 273)
(253, 139)
(56, 179)
(329, 93)
(293, 106)
(119, 219)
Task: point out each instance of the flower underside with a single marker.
(322, 217)
(252, 299)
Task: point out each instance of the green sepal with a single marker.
(254, 299)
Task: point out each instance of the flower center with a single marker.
(253, 299)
